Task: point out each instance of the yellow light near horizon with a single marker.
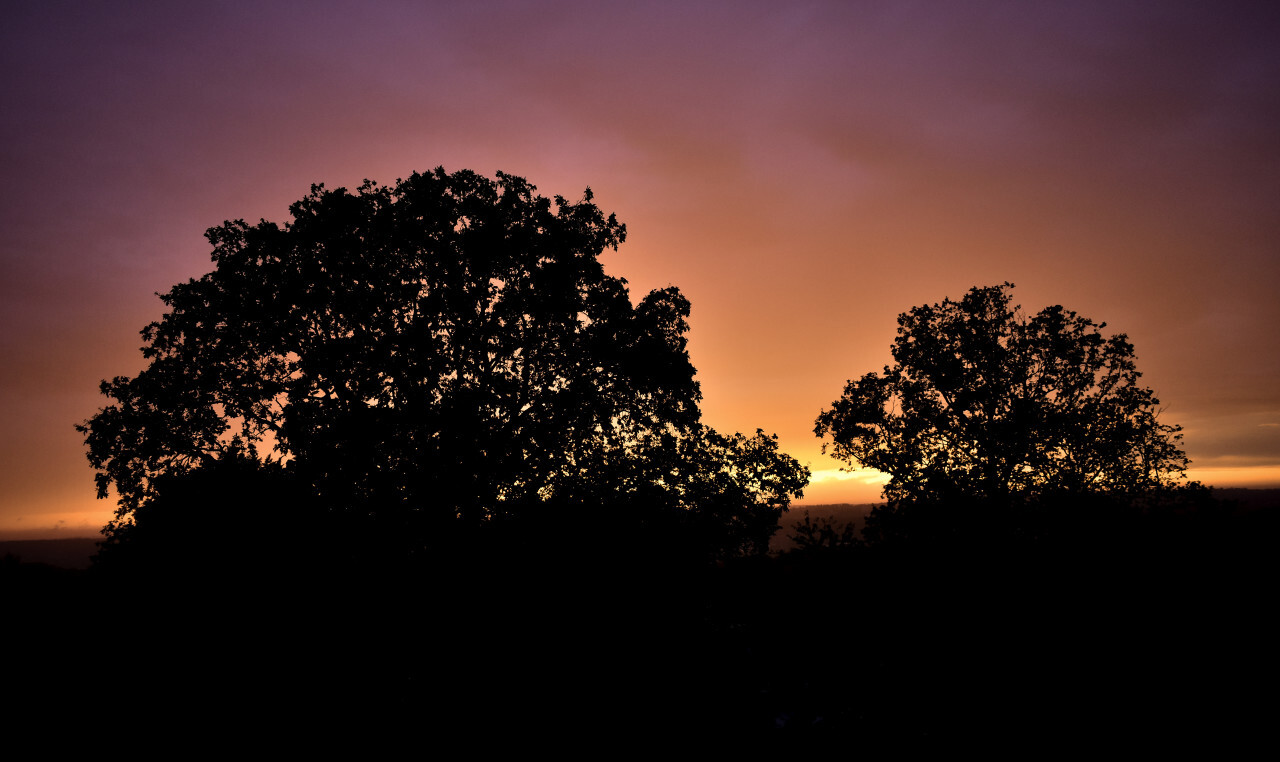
(1247, 476)
(861, 475)
(864, 485)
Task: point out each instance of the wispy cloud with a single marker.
(861, 475)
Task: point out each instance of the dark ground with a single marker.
(1163, 640)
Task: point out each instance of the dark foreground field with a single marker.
(1161, 636)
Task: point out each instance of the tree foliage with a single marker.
(985, 403)
(444, 351)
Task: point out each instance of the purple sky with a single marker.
(802, 171)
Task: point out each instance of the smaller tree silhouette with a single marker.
(984, 403)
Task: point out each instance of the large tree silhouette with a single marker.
(985, 403)
(443, 352)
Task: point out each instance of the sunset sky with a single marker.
(802, 171)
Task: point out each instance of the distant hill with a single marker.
(839, 513)
(71, 553)
(1249, 499)
(1245, 500)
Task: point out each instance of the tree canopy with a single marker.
(447, 350)
(983, 402)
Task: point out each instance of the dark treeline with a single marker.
(412, 463)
